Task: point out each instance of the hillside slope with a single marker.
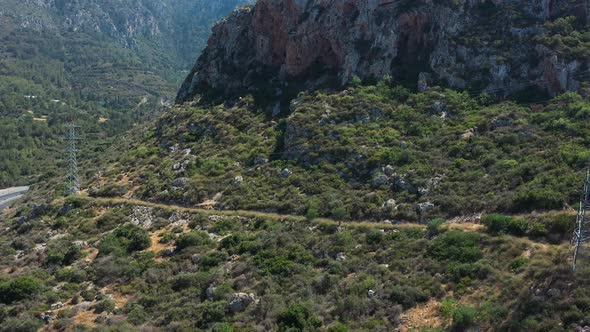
(109, 64)
(84, 264)
(368, 207)
(368, 152)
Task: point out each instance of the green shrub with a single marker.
(61, 254)
(492, 312)
(496, 223)
(457, 246)
(167, 238)
(126, 239)
(188, 280)
(225, 225)
(338, 327)
(112, 218)
(518, 263)
(463, 317)
(435, 227)
(192, 239)
(223, 327)
(71, 275)
(374, 237)
(197, 220)
(501, 224)
(272, 264)
(447, 306)
(298, 317)
(105, 305)
(19, 289)
(23, 323)
(538, 199)
(212, 259)
(312, 213)
(212, 312)
(517, 227)
(537, 229)
(136, 238)
(458, 271)
(137, 315)
(407, 296)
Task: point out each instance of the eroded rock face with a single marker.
(465, 43)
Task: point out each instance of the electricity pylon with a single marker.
(582, 231)
(72, 184)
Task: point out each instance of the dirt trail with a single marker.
(251, 214)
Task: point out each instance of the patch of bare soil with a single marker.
(90, 254)
(422, 316)
(471, 227)
(156, 246)
(208, 204)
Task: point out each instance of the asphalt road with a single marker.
(8, 196)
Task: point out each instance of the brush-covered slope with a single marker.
(369, 152)
(109, 64)
(95, 265)
(135, 252)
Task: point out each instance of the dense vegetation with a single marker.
(50, 72)
(427, 211)
(370, 152)
(122, 267)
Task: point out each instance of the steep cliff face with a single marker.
(494, 46)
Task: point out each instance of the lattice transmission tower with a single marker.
(582, 230)
(72, 184)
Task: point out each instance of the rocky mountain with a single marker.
(369, 207)
(158, 31)
(498, 47)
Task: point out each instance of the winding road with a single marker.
(8, 196)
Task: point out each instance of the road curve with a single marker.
(9, 195)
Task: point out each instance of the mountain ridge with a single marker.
(489, 46)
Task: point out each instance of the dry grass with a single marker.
(421, 316)
(85, 318)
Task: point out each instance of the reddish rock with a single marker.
(284, 45)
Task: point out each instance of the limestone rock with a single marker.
(57, 305)
(285, 173)
(48, 316)
(179, 183)
(142, 216)
(425, 207)
(284, 41)
(240, 301)
(390, 204)
(380, 180)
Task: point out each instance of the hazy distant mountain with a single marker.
(90, 59)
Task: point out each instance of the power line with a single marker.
(582, 231)
(72, 183)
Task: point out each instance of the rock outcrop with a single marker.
(494, 46)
